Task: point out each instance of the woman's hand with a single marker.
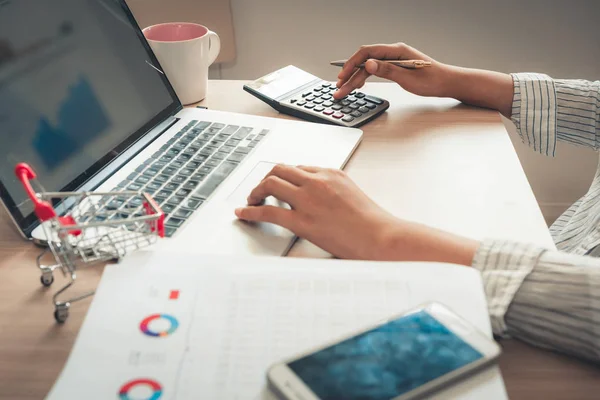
(329, 210)
(480, 88)
(428, 81)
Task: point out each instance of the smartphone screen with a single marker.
(385, 362)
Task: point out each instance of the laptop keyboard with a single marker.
(190, 166)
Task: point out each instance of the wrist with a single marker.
(481, 88)
(410, 241)
(456, 82)
(449, 81)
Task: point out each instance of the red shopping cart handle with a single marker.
(69, 221)
(42, 209)
(160, 222)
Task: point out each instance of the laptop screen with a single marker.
(77, 87)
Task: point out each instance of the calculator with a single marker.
(292, 91)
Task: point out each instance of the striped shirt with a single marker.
(551, 298)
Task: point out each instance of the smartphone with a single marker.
(405, 357)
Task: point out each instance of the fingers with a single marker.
(282, 182)
(355, 82)
(380, 51)
(311, 169)
(289, 173)
(273, 186)
(275, 215)
(386, 70)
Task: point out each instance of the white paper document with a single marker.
(169, 326)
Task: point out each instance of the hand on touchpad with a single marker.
(272, 201)
(240, 195)
(262, 237)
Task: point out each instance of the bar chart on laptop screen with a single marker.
(58, 76)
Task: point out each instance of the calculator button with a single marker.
(336, 107)
(326, 85)
(371, 106)
(318, 101)
(317, 89)
(301, 103)
(309, 105)
(328, 112)
(337, 115)
(359, 95)
(353, 93)
(326, 97)
(356, 114)
(310, 98)
(319, 108)
(347, 119)
(374, 100)
(306, 94)
(345, 102)
(346, 110)
(363, 110)
(293, 101)
(361, 102)
(327, 104)
(354, 106)
(317, 94)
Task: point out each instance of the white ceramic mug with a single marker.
(185, 51)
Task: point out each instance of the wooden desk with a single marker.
(422, 160)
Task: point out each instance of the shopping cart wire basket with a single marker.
(97, 227)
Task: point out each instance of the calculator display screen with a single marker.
(283, 81)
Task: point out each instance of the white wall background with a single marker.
(557, 37)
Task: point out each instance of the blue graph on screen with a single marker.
(80, 119)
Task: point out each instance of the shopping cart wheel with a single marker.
(61, 313)
(47, 279)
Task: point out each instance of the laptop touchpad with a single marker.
(262, 238)
(240, 195)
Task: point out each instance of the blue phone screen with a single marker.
(385, 362)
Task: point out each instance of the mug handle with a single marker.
(214, 46)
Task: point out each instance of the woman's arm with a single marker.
(329, 210)
(544, 110)
(547, 298)
(481, 88)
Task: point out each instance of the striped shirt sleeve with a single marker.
(548, 298)
(545, 110)
(577, 115)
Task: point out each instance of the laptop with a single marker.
(83, 101)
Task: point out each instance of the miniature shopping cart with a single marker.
(95, 227)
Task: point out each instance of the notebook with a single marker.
(168, 326)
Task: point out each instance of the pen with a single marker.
(411, 64)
